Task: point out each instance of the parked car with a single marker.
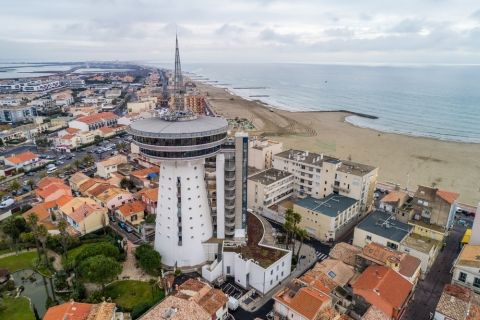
(52, 170)
(128, 228)
(7, 203)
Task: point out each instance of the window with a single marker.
(463, 277)
(476, 282)
(369, 237)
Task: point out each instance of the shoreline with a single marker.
(403, 159)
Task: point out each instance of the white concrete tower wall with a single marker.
(179, 234)
(220, 179)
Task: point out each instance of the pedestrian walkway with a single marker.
(130, 270)
(320, 256)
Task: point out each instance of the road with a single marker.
(429, 290)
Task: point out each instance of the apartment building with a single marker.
(318, 176)
(94, 121)
(17, 113)
(107, 167)
(329, 218)
(466, 268)
(268, 187)
(195, 103)
(261, 151)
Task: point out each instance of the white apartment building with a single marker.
(39, 85)
(466, 268)
(267, 188)
(261, 151)
(318, 176)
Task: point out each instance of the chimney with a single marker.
(73, 209)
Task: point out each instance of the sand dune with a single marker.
(401, 159)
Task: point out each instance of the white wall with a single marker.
(360, 238)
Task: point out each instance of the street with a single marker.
(429, 290)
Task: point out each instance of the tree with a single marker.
(14, 185)
(292, 219)
(103, 248)
(97, 139)
(77, 163)
(126, 184)
(31, 184)
(148, 259)
(62, 227)
(33, 223)
(99, 269)
(14, 226)
(301, 235)
(89, 159)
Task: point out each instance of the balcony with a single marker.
(340, 189)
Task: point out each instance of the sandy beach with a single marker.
(402, 159)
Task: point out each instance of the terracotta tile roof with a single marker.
(98, 189)
(303, 300)
(41, 210)
(72, 130)
(78, 177)
(213, 300)
(338, 271)
(98, 117)
(82, 212)
(68, 137)
(143, 173)
(69, 310)
(174, 308)
(375, 314)
(394, 197)
(454, 302)
(149, 193)
(448, 196)
(91, 182)
(48, 181)
(22, 157)
(102, 311)
(128, 209)
(52, 189)
(382, 286)
(318, 280)
(106, 130)
(63, 200)
(407, 264)
(345, 252)
(115, 160)
(110, 193)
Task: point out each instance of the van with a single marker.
(7, 203)
(52, 169)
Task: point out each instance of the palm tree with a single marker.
(301, 235)
(77, 163)
(14, 185)
(32, 221)
(292, 219)
(62, 227)
(42, 237)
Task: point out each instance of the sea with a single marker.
(441, 102)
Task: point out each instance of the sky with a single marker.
(297, 31)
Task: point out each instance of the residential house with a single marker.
(329, 218)
(466, 268)
(424, 248)
(51, 188)
(381, 227)
(298, 301)
(113, 197)
(393, 201)
(193, 299)
(146, 177)
(94, 121)
(457, 303)
(48, 215)
(149, 196)
(267, 188)
(72, 310)
(25, 161)
(376, 254)
(345, 252)
(318, 176)
(338, 271)
(432, 206)
(132, 212)
(77, 179)
(84, 215)
(261, 151)
(106, 167)
(383, 288)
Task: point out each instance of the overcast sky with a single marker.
(322, 31)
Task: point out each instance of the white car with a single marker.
(7, 203)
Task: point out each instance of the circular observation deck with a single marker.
(196, 138)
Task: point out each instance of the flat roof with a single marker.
(384, 224)
(269, 176)
(420, 243)
(160, 127)
(331, 205)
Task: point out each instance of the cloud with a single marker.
(229, 29)
(271, 35)
(409, 26)
(476, 15)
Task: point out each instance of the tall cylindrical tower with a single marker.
(181, 142)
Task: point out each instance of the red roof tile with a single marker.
(69, 310)
(448, 196)
(22, 157)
